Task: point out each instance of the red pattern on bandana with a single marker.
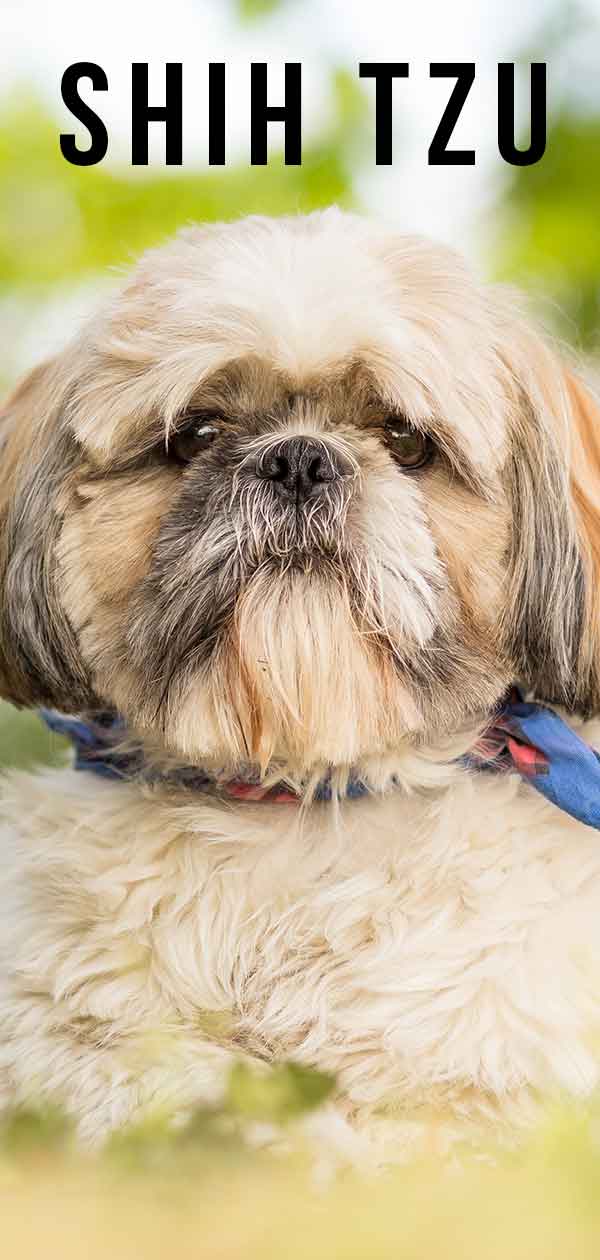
(502, 749)
(277, 795)
(505, 746)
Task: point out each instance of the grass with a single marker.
(202, 1191)
(25, 741)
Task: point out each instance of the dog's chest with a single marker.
(429, 941)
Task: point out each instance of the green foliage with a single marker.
(60, 222)
(277, 1095)
(251, 10)
(286, 1091)
(25, 741)
(27, 1131)
(547, 237)
(550, 238)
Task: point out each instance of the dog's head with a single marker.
(305, 490)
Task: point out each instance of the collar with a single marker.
(99, 742)
(522, 736)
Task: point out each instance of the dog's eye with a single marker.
(190, 441)
(410, 448)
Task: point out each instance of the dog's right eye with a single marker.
(190, 441)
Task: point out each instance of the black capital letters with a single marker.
(98, 133)
(290, 114)
(506, 115)
(142, 113)
(216, 113)
(464, 73)
(384, 73)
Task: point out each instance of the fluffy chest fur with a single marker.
(440, 945)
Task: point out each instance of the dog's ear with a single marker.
(552, 615)
(584, 415)
(39, 657)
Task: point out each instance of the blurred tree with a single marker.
(249, 10)
(549, 237)
(60, 222)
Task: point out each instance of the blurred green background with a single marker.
(62, 228)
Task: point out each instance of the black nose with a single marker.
(300, 467)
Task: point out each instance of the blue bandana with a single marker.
(526, 738)
(549, 755)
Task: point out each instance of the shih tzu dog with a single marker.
(280, 530)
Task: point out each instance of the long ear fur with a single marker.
(552, 616)
(585, 491)
(39, 658)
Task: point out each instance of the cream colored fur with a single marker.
(438, 949)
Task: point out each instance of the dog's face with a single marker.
(304, 491)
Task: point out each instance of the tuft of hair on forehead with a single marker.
(306, 296)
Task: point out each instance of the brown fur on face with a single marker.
(225, 623)
(104, 552)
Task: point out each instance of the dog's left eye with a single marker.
(193, 439)
(410, 448)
